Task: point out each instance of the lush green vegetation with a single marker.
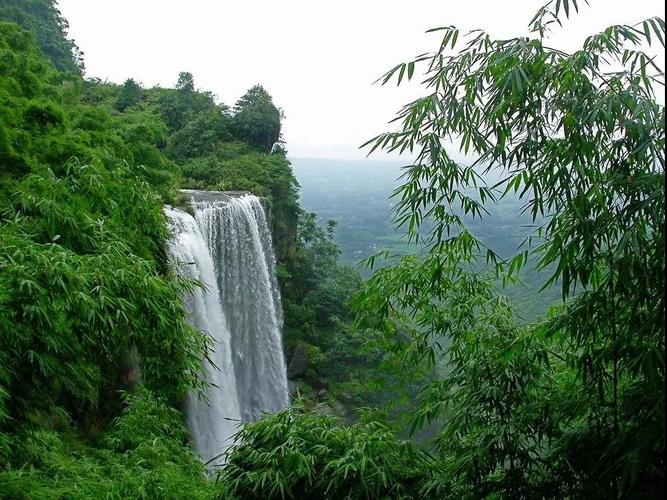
(295, 454)
(82, 283)
(42, 18)
(86, 168)
(143, 453)
(571, 405)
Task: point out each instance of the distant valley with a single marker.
(357, 195)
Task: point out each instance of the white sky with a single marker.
(318, 59)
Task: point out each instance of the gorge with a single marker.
(226, 246)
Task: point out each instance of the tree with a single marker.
(129, 95)
(43, 19)
(201, 135)
(279, 148)
(180, 105)
(257, 119)
(186, 82)
(581, 137)
(82, 228)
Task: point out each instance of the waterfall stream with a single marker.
(227, 245)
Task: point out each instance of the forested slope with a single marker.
(82, 281)
(86, 169)
(571, 406)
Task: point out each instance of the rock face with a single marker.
(330, 408)
(298, 363)
(211, 196)
(296, 388)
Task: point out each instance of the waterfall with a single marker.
(209, 420)
(227, 245)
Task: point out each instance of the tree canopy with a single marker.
(257, 119)
(43, 19)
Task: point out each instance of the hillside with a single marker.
(182, 313)
(84, 280)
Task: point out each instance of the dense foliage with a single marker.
(294, 454)
(43, 19)
(81, 245)
(84, 285)
(257, 119)
(143, 454)
(570, 406)
(574, 405)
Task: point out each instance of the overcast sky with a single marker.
(318, 59)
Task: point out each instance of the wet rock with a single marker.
(339, 408)
(296, 387)
(321, 383)
(325, 409)
(347, 396)
(331, 409)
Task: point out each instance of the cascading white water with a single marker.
(212, 422)
(238, 236)
(227, 245)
